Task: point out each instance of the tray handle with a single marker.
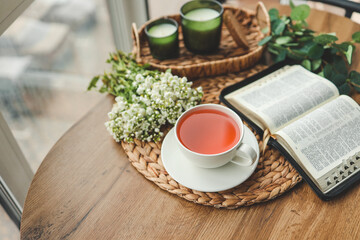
(137, 41)
(261, 10)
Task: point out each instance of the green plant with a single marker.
(320, 53)
(146, 100)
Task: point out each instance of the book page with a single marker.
(284, 96)
(325, 137)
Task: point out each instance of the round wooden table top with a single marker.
(87, 189)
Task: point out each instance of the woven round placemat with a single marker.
(272, 177)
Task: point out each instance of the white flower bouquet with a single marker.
(146, 100)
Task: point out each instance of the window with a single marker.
(47, 57)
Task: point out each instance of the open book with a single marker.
(304, 112)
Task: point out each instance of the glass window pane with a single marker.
(47, 58)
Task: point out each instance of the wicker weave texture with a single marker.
(228, 59)
(273, 176)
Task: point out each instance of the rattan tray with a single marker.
(229, 58)
(273, 176)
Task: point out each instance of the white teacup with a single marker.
(240, 153)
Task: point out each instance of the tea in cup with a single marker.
(211, 135)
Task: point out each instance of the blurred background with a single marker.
(47, 57)
(50, 53)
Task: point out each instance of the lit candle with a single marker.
(163, 40)
(201, 22)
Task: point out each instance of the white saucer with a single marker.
(205, 179)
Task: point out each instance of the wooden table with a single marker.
(87, 189)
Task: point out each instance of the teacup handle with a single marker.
(245, 155)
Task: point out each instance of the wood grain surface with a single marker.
(87, 189)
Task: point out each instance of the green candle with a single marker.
(162, 30)
(201, 24)
(163, 40)
(202, 14)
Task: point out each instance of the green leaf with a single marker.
(292, 55)
(315, 64)
(278, 26)
(349, 53)
(276, 46)
(281, 56)
(103, 89)
(354, 75)
(118, 88)
(308, 31)
(356, 37)
(300, 13)
(325, 39)
(339, 65)
(273, 51)
(274, 14)
(305, 39)
(120, 66)
(342, 46)
(303, 22)
(316, 51)
(297, 27)
(332, 50)
(264, 40)
(292, 44)
(328, 71)
(321, 74)
(283, 40)
(93, 82)
(287, 33)
(292, 5)
(306, 64)
(306, 47)
(331, 72)
(344, 89)
(355, 80)
(299, 52)
(338, 79)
